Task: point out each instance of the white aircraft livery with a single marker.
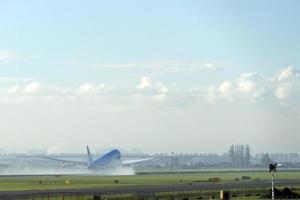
(110, 159)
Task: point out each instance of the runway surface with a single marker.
(147, 190)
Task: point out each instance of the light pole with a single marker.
(272, 170)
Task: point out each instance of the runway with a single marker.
(146, 190)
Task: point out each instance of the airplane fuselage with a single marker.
(109, 159)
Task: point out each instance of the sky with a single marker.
(160, 76)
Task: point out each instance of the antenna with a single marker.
(272, 170)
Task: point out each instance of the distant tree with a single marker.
(247, 156)
(236, 155)
(239, 156)
(242, 156)
(232, 156)
(240, 160)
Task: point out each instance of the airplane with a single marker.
(110, 159)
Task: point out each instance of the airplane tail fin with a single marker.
(89, 155)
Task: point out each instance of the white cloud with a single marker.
(90, 89)
(151, 91)
(287, 84)
(282, 92)
(32, 87)
(145, 82)
(288, 73)
(251, 87)
(163, 89)
(250, 76)
(7, 55)
(13, 90)
(168, 65)
(225, 88)
(212, 66)
(248, 87)
(153, 87)
(78, 108)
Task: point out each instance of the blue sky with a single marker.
(142, 58)
(243, 36)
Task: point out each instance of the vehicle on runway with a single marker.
(111, 159)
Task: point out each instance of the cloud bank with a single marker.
(249, 108)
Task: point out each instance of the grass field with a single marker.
(53, 182)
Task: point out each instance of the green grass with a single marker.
(52, 182)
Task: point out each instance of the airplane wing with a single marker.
(66, 161)
(130, 162)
